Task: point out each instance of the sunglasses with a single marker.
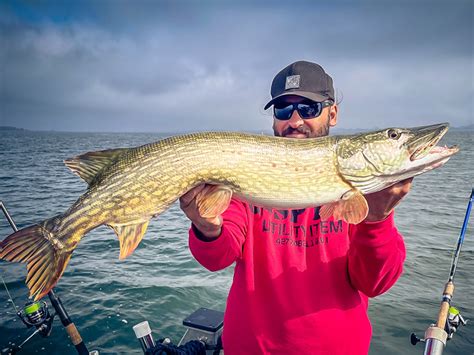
(283, 111)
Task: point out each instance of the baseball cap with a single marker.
(305, 79)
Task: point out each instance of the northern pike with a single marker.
(129, 186)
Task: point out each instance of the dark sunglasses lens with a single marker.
(283, 113)
(310, 111)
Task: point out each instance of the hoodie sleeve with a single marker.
(376, 256)
(224, 250)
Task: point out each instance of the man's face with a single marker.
(297, 127)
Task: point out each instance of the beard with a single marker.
(309, 131)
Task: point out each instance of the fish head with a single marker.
(373, 161)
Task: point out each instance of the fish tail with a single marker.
(43, 250)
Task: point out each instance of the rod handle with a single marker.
(445, 304)
(73, 334)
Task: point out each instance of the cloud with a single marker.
(177, 66)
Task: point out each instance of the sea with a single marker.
(161, 282)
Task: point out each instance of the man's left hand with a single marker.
(382, 203)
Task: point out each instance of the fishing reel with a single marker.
(36, 314)
(454, 320)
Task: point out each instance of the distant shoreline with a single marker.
(11, 128)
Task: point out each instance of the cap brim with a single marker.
(306, 94)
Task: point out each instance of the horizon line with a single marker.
(359, 129)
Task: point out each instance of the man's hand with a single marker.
(209, 226)
(383, 202)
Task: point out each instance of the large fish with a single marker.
(127, 187)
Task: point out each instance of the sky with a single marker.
(180, 66)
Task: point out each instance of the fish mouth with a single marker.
(423, 144)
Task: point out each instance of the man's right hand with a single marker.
(203, 205)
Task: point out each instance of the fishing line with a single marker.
(13, 225)
(9, 295)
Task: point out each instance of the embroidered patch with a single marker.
(292, 82)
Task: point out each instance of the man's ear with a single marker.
(333, 115)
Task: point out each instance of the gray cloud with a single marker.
(183, 66)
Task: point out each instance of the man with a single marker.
(301, 285)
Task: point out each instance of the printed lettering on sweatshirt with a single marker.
(296, 228)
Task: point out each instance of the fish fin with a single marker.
(130, 235)
(213, 201)
(353, 208)
(46, 261)
(327, 211)
(89, 165)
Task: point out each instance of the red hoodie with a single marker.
(301, 285)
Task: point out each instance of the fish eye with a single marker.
(393, 134)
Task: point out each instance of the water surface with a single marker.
(161, 282)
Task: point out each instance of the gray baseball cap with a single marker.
(305, 79)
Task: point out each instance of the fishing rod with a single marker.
(36, 314)
(449, 318)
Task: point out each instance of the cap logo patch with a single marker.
(292, 82)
